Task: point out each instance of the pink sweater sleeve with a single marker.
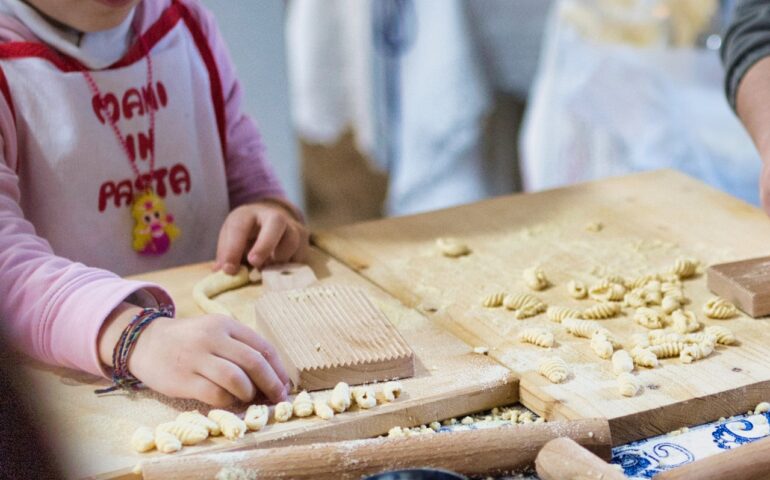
(50, 308)
(250, 176)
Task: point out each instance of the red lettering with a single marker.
(106, 104)
(177, 177)
(131, 147)
(146, 144)
(105, 191)
(148, 95)
(125, 192)
(132, 100)
(157, 181)
(162, 97)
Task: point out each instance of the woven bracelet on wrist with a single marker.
(121, 376)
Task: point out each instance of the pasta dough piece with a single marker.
(622, 362)
(322, 409)
(720, 309)
(685, 267)
(554, 369)
(283, 411)
(667, 350)
(723, 335)
(364, 397)
(303, 404)
(701, 337)
(656, 337)
(634, 299)
(648, 318)
(684, 322)
(167, 443)
(389, 392)
(616, 279)
(607, 291)
(197, 418)
(520, 300)
(451, 247)
(652, 297)
(143, 440)
(528, 311)
(670, 303)
(213, 285)
(608, 336)
(695, 351)
(577, 289)
(493, 300)
(581, 328)
(640, 340)
(232, 427)
(643, 357)
(557, 314)
(601, 346)
(762, 407)
(340, 398)
(628, 385)
(601, 311)
(641, 281)
(187, 433)
(535, 278)
(537, 336)
(256, 417)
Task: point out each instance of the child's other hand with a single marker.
(211, 358)
(263, 232)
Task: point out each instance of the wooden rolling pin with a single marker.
(564, 458)
(475, 452)
(747, 462)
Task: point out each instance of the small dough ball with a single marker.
(197, 418)
(143, 440)
(232, 427)
(364, 397)
(389, 392)
(167, 443)
(283, 411)
(256, 417)
(341, 397)
(303, 404)
(322, 409)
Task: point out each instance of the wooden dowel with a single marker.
(564, 458)
(747, 462)
(476, 452)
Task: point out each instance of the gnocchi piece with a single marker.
(653, 286)
(696, 351)
(608, 336)
(187, 433)
(642, 281)
(557, 314)
(256, 417)
(581, 328)
(389, 391)
(723, 335)
(577, 289)
(303, 404)
(653, 297)
(451, 247)
(340, 398)
(529, 311)
(322, 409)
(601, 346)
(628, 385)
(670, 303)
(762, 407)
(232, 427)
(607, 291)
(634, 299)
(535, 278)
(667, 350)
(283, 411)
(554, 369)
(616, 279)
(622, 362)
(719, 308)
(685, 267)
(493, 300)
(537, 336)
(684, 322)
(143, 440)
(643, 357)
(656, 337)
(167, 443)
(520, 300)
(212, 285)
(701, 337)
(640, 340)
(364, 397)
(601, 311)
(197, 418)
(648, 318)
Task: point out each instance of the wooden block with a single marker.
(331, 334)
(745, 283)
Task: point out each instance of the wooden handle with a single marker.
(474, 452)
(289, 276)
(564, 458)
(747, 462)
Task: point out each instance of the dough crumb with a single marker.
(594, 227)
(481, 350)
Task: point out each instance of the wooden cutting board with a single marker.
(91, 434)
(648, 220)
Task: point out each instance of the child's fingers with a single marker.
(203, 389)
(233, 241)
(228, 376)
(259, 370)
(287, 246)
(271, 230)
(244, 334)
(304, 246)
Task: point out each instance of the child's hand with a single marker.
(211, 358)
(280, 237)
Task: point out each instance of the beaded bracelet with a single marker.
(121, 376)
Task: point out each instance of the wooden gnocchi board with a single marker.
(648, 220)
(91, 434)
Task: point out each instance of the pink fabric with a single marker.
(52, 308)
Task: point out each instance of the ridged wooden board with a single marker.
(91, 434)
(648, 220)
(333, 334)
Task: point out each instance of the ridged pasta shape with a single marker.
(581, 328)
(452, 247)
(695, 351)
(616, 279)
(648, 318)
(670, 303)
(653, 286)
(628, 385)
(641, 281)
(554, 369)
(232, 427)
(519, 300)
(537, 336)
(701, 337)
(601, 311)
(656, 337)
(340, 398)
(608, 335)
(364, 397)
(197, 418)
(723, 335)
(601, 346)
(256, 417)
(322, 409)
(684, 321)
(667, 350)
(719, 308)
(187, 433)
(557, 314)
(389, 392)
(577, 289)
(143, 440)
(528, 311)
(283, 412)
(303, 404)
(685, 267)
(535, 278)
(622, 362)
(643, 357)
(493, 300)
(634, 299)
(167, 443)
(606, 291)
(640, 340)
